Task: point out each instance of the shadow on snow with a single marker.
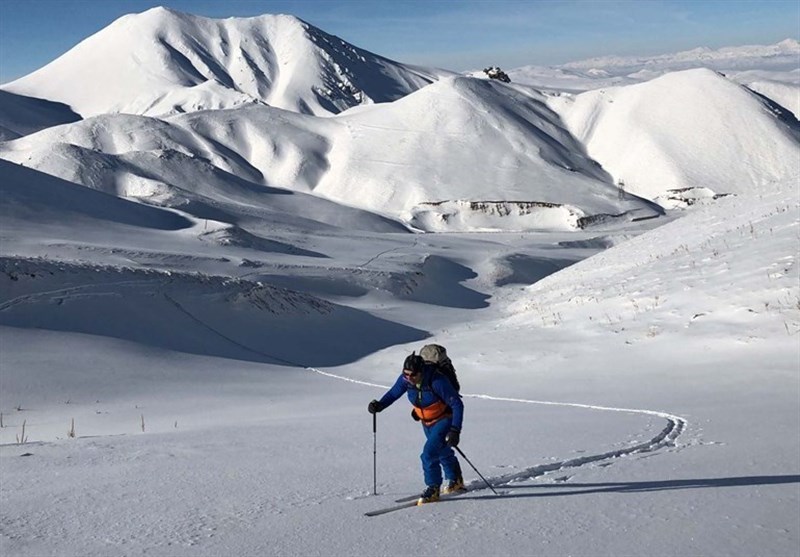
(566, 489)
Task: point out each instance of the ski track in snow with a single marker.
(384, 252)
(74, 292)
(667, 437)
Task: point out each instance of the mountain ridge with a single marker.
(162, 62)
(460, 139)
(232, 111)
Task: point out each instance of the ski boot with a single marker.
(430, 495)
(455, 486)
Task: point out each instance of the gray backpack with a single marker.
(437, 354)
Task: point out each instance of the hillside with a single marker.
(467, 140)
(31, 199)
(21, 115)
(460, 141)
(691, 130)
(653, 384)
(785, 94)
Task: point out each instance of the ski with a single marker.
(406, 505)
(408, 502)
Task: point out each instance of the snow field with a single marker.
(236, 444)
(198, 300)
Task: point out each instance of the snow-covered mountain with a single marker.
(213, 115)
(165, 62)
(690, 130)
(196, 308)
(463, 139)
(459, 140)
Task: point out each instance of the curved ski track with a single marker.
(674, 427)
(666, 438)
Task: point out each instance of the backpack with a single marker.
(436, 354)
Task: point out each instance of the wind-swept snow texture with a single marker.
(213, 316)
(685, 130)
(166, 62)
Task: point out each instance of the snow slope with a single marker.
(20, 115)
(195, 310)
(786, 94)
(685, 130)
(771, 70)
(459, 140)
(31, 196)
(648, 390)
(148, 159)
(164, 62)
(464, 139)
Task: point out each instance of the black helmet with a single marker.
(413, 363)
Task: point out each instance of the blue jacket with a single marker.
(433, 389)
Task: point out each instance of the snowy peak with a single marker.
(685, 130)
(166, 62)
(447, 153)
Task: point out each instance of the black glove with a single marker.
(374, 407)
(414, 415)
(453, 437)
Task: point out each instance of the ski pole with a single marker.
(374, 453)
(476, 470)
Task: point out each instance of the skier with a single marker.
(438, 406)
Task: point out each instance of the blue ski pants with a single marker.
(436, 455)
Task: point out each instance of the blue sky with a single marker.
(453, 34)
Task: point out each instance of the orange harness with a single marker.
(433, 412)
